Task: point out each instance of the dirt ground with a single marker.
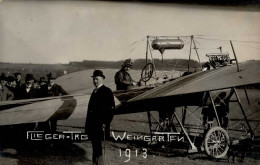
(80, 153)
(16, 152)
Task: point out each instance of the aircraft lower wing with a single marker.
(189, 90)
(36, 110)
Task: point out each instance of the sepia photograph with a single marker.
(137, 82)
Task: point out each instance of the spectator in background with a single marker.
(36, 84)
(18, 78)
(42, 81)
(3, 79)
(52, 89)
(5, 93)
(11, 85)
(27, 91)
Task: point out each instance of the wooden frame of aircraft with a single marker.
(180, 93)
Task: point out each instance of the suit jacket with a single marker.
(15, 91)
(55, 90)
(6, 94)
(100, 110)
(23, 94)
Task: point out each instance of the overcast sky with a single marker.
(60, 32)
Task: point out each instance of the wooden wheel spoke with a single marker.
(216, 142)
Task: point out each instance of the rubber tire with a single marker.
(214, 129)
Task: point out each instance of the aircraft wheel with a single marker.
(147, 72)
(216, 142)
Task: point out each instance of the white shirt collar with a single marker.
(28, 86)
(99, 86)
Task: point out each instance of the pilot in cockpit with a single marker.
(123, 78)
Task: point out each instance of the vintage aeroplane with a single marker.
(174, 97)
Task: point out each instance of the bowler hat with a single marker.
(98, 73)
(17, 73)
(3, 77)
(52, 75)
(29, 77)
(42, 79)
(10, 79)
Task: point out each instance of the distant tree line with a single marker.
(39, 70)
(166, 64)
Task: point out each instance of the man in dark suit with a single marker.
(18, 79)
(11, 85)
(100, 114)
(52, 89)
(27, 91)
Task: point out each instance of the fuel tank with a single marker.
(162, 44)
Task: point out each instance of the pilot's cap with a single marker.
(97, 73)
(128, 63)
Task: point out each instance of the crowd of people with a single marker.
(12, 87)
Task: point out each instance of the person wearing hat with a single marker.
(11, 85)
(123, 79)
(5, 93)
(52, 89)
(42, 81)
(100, 113)
(27, 91)
(3, 79)
(11, 81)
(18, 78)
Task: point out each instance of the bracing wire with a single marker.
(127, 47)
(258, 42)
(230, 35)
(135, 43)
(248, 46)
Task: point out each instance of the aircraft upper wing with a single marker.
(189, 90)
(219, 78)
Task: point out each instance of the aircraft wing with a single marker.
(36, 110)
(189, 90)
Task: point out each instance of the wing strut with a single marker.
(193, 147)
(247, 98)
(184, 110)
(150, 123)
(235, 56)
(241, 107)
(214, 107)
